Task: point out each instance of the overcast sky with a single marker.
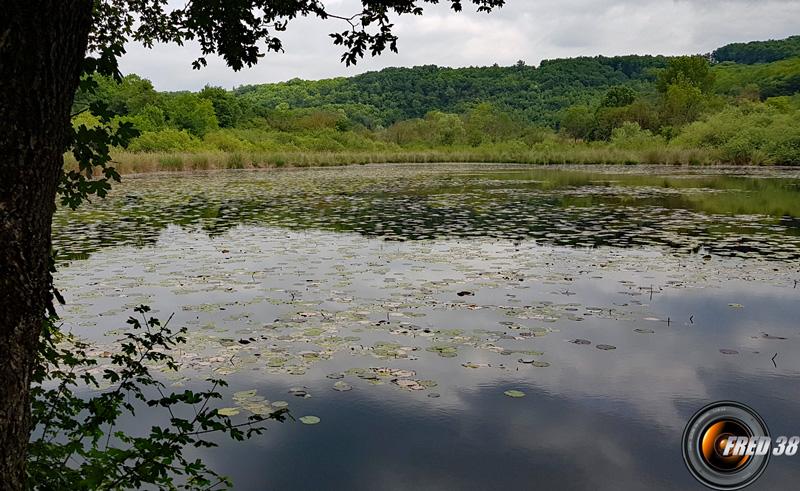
(529, 30)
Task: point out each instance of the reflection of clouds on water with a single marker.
(271, 306)
(716, 214)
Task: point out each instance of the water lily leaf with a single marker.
(445, 351)
(244, 394)
(342, 386)
(309, 420)
(605, 347)
(408, 384)
(514, 393)
(228, 411)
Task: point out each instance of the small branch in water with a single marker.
(651, 292)
(668, 321)
(773, 360)
(691, 319)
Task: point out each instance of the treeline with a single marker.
(534, 94)
(638, 108)
(759, 51)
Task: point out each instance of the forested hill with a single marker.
(759, 51)
(534, 94)
(537, 94)
(744, 109)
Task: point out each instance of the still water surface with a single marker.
(618, 300)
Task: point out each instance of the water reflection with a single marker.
(291, 281)
(720, 214)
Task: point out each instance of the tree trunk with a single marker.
(42, 45)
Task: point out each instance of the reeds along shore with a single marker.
(144, 162)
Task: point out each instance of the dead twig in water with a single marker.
(773, 360)
(691, 319)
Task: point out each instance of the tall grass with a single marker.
(143, 162)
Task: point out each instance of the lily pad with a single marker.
(244, 394)
(514, 393)
(342, 386)
(445, 351)
(228, 411)
(309, 420)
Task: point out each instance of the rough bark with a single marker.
(42, 44)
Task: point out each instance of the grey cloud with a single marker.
(528, 30)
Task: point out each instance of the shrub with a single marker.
(630, 136)
(165, 141)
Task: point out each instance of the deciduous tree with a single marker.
(50, 47)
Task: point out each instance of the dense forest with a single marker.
(739, 104)
(759, 51)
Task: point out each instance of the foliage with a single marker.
(166, 139)
(686, 70)
(682, 103)
(618, 96)
(759, 51)
(579, 122)
(752, 133)
(430, 107)
(631, 136)
(227, 108)
(192, 113)
(535, 95)
(771, 79)
(76, 435)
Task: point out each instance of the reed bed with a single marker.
(146, 162)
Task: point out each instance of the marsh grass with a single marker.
(145, 162)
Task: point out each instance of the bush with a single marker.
(630, 136)
(226, 141)
(167, 140)
(753, 133)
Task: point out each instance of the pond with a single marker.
(406, 306)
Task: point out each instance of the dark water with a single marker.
(463, 282)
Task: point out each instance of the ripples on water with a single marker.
(432, 290)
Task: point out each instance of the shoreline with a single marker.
(129, 163)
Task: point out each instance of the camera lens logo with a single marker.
(726, 445)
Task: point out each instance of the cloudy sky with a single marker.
(529, 30)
